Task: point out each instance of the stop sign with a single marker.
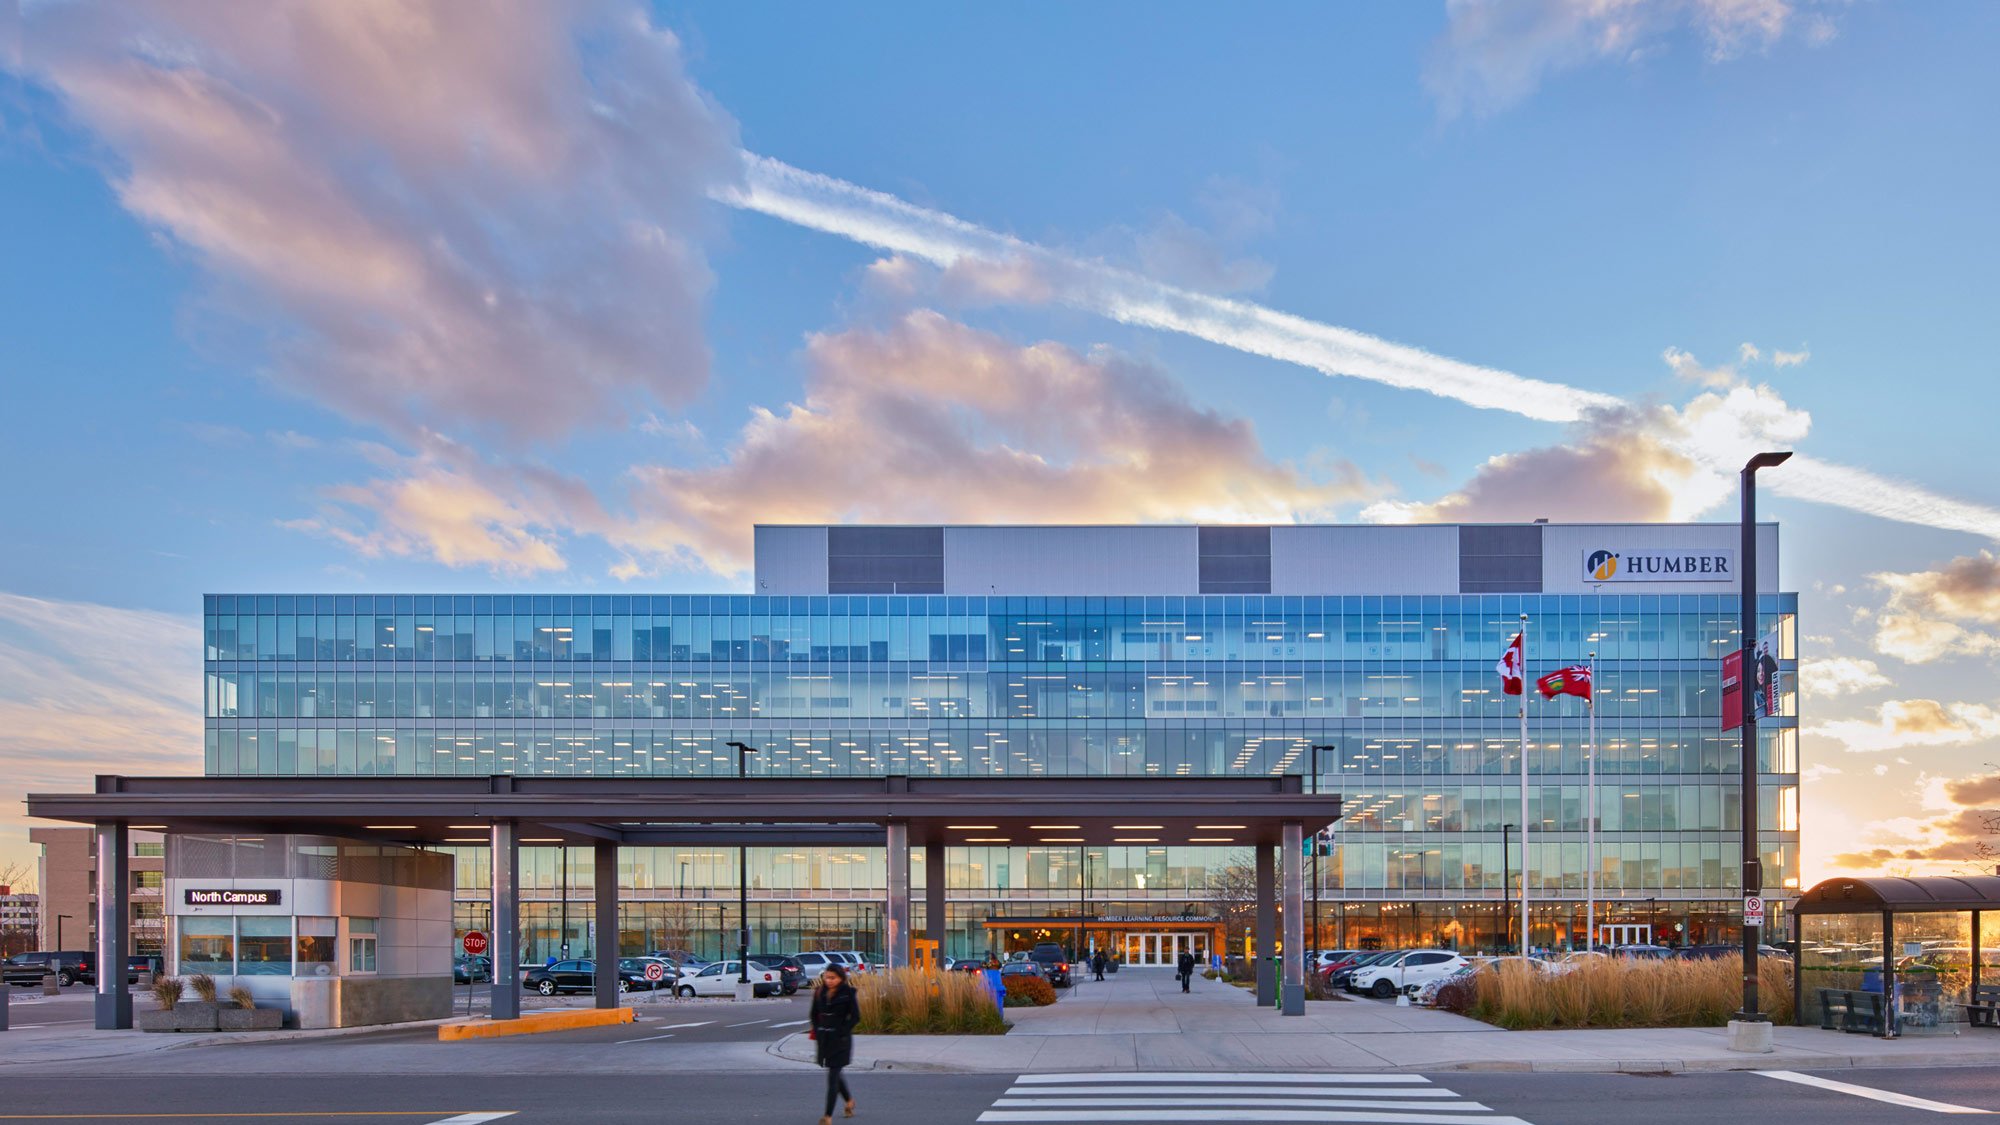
(475, 942)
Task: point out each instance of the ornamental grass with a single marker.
(204, 986)
(167, 990)
(1619, 993)
(923, 1002)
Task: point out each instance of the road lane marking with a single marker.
(1282, 1103)
(252, 1115)
(793, 1023)
(752, 1023)
(647, 1039)
(1249, 1076)
(1869, 1092)
(474, 1118)
(672, 1026)
(1237, 1098)
(1287, 1091)
(1240, 1117)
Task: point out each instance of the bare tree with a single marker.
(18, 878)
(1232, 896)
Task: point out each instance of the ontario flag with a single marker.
(1573, 680)
(1513, 668)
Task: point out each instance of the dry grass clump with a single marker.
(1620, 993)
(203, 985)
(240, 996)
(167, 990)
(922, 1002)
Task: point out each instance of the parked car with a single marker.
(791, 970)
(144, 963)
(670, 973)
(1325, 959)
(856, 963)
(1022, 969)
(1054, 960)
(1406, 970)
(1426, 996)
(1569, 961)
(814, 963)
(468, 969)
(1339, 977)
(78, 967)
(677, 956)
(1643, 952)
(718, 978)
(574, 976)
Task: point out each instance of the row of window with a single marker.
(275, 946)
(1355, 757)
(1654, 628)
(1462, 691)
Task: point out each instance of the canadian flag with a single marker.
(1513, 668)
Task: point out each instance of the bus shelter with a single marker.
(1911, 950)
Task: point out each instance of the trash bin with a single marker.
(1871, 980)
(994, 985)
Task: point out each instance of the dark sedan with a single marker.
(576, 976)
(791, 971)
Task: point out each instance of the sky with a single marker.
(381, 297)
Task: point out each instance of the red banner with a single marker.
(1732, 690)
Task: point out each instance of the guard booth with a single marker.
(1890, 956)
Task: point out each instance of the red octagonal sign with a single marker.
(475, 942)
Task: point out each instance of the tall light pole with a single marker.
(742, 876)
(1317, 843)
(1753, 863)
(1506, 883)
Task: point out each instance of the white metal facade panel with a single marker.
(1565, 546)
(1370, 559)
(791, 560)
(1071, 561)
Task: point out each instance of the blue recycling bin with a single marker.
(994, 986)
(1871, 980)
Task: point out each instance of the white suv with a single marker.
(1412, 970)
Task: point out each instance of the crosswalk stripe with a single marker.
(1231, 1087)
(474, 1118)
(1241, 1098)
(1870, 1092)
(1325, 1115)
(1235, 1076)
(1317, 1103)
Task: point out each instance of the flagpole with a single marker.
(1590, 819)
(1524, 789)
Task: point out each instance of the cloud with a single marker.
(488, 221)
(1903, 723)
(1974, 791)
(1789, 359)
(1839, 675)
(1818, 771)
(925, 420)
(1948, 611)
(88, 689)
(1630, 463)
(1955, 834)
(1494, 53)
(1719, 440)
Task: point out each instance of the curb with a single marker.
(533, 1024)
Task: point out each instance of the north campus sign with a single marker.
(193, 896)
(1603, 565)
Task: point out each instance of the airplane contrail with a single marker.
(873, 218)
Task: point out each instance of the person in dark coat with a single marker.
(1186, 966)
(835, 1012)
(1097, 964)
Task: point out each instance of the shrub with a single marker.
(240, 996)
(1459, 995)
(167, 990)
(1028, 992)
(922, 1002)
(203, 985)
(1620, 993)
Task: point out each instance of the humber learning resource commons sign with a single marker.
(192, 896)
(1604, 565)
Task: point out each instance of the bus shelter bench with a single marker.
(1984, 1010)
(1860, 1013)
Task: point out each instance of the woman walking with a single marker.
(835, 1012)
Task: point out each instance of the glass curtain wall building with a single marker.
(866, 651)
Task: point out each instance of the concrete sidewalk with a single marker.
(1138, 1020)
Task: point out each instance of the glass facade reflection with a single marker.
(1400, 688)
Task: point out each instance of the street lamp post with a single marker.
(1506, 885)
(1316, 850)
(1753, 863)
(742, 877)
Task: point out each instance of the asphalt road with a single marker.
(792, 1095)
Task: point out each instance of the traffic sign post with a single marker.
(474, 944)
(1753, 911)
(655, 973)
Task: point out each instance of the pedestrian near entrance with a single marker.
(835, 1012)
(1186, 966)
(1097, 964)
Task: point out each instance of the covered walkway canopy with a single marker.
(1836, 913)
(1273, 815)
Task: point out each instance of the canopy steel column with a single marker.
(1293, 993)
(604, 982)
(114, 925)
(505, 1001)
(896, 920)
(1267, 928)
(934, 887)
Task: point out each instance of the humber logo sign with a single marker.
(1606, 565)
